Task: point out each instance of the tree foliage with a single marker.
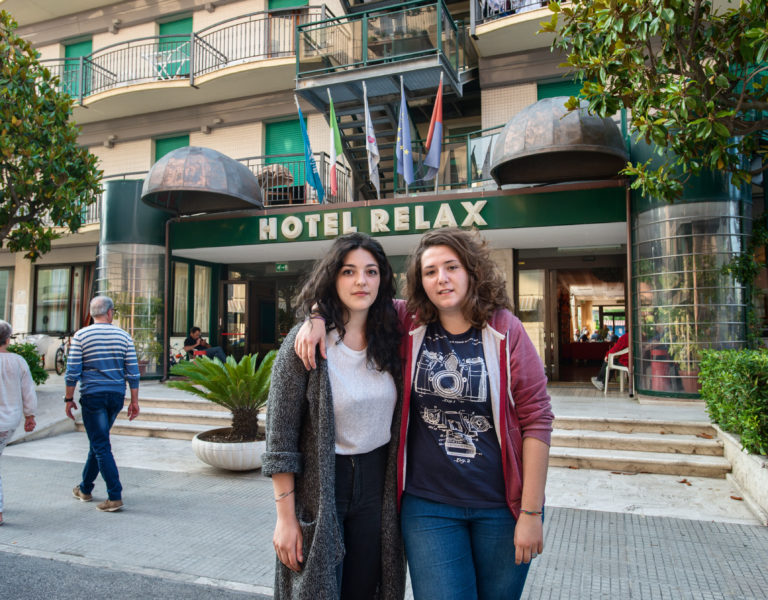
(45, 177)
(694, 76)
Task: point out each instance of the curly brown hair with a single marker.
(487, 291)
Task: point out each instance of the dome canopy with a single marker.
(194, 180)
(545, 143)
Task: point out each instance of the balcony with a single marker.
(506, 26)
(415, 40)
(164, 72)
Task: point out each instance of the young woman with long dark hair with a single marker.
(332, 436)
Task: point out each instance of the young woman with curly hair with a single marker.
(476, 426)
(332, 436)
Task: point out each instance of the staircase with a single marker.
(635, 446)
(171, 418)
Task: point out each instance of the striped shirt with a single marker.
(102, 358)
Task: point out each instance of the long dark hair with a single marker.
(382, 327)
(487, 291)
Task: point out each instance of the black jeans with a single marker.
(601, 374)
(359, 490)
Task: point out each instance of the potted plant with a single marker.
(243, 389)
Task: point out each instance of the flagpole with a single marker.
(437, 175)
(402, 95)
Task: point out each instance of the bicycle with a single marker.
(62, 352)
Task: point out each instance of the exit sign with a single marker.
(281, 267)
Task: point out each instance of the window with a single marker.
(173, 48)
(165, 145)
(180, 294)
(6, 294)
(192, 298)
(202, 296)
(59, 298)
(565, 87)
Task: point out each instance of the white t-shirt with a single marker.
(363, 399)
(17, 391)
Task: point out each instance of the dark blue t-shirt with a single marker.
(453, 451)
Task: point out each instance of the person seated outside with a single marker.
(196, 342)
(584, 337)
(595, 337)
(621, 344)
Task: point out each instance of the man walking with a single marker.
(102, 358)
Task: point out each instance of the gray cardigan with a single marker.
(301, 440)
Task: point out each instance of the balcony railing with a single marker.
(465, 162)
(488, 10)
(247, 38)
(283, 179)
(374, 37)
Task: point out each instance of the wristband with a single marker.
(317, 316)
(532, 513)
(68, 399)
(283, 496)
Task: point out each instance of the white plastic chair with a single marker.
(616, 366)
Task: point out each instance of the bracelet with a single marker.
(533, 513)
(317, 316)
(283, 496)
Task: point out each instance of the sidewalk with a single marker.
(612, 536)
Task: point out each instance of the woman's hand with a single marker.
(29, 423)
(529, 538)
(288, 542)
(311, 333)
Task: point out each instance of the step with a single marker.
(179, 415)
(190, 403)
(641, 442)
(174, 431)
(633, 425)
(627, 461)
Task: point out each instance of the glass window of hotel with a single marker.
(180, 295)
(6, 294)
(59, 294)
(202, 298)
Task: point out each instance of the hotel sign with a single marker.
(411, 218)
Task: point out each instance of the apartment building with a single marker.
(185, 102)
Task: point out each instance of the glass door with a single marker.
(234, 320)
(536, 310)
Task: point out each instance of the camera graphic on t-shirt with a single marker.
(451, 377)
(459, 429)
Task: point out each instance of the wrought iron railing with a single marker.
(408, 30)
(488, 10)
(465, 162)
(283, 179)
(247, 38)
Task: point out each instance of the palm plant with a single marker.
(239, 387)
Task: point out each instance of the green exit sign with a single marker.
(281, 267)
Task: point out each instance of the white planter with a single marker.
(749, 472)
(236, 456)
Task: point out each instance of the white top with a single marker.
(17, 391)
(363, 399)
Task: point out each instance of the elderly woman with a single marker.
(17, 395)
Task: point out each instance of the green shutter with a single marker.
(174, 51)
(165, 145)
(70, 78)
(279, 4)
(557, 88)
(285, 138)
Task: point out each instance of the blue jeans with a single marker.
(99, 411)
(457, 553)
(216, 352)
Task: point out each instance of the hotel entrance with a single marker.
(573, 309)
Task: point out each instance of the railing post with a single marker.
(192, 59)
(439, 27)
(469, 163)
(472, 17)
(365, 38)
(81, 81)
(322, 12)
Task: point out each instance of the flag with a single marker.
(404, 156)
(371, 147)
(313, 176)
(335, 145)
(435, 136)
